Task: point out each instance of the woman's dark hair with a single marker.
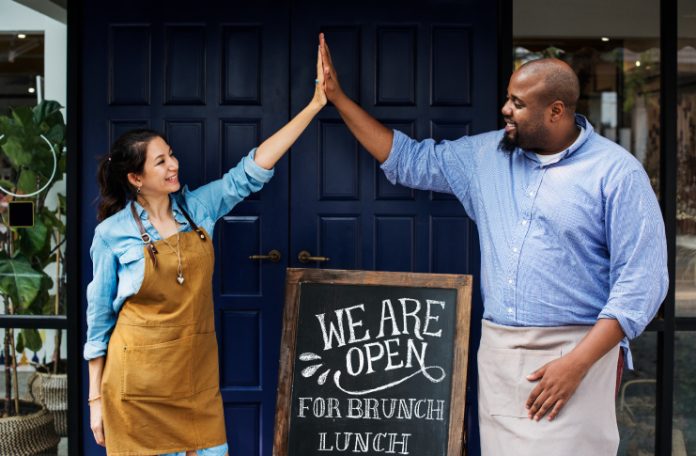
(127, 155)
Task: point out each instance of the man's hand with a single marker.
(331, 85)
(558, 381)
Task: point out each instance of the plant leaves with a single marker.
(27, 181)
(20, 342)
(16, 152)
(32, 339)
(56, 135)
(47, 111)
(19, 280)
(24, 117)
(36, 239)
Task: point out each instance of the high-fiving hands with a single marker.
(330, 78)
(319, 91)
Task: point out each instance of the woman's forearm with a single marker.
(96, 367)
(273, 148)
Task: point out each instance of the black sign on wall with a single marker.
(373, 363)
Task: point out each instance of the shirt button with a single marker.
(510, 310)
(524, 222)
(510, 281)
(531, 193)
(514, 249)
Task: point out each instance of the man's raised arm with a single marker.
(374, 137)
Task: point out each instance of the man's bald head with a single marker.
(559, 81)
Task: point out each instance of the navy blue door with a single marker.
(218, 78)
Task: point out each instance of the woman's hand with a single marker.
(96, 422)
(319, 99)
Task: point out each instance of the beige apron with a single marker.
(160, 390)
(587, 423)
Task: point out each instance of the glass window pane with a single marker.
(685, 272)
(617, 59)
(635, 404)
(684, 433)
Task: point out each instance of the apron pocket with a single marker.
(503, 378)
(158, 371)
(205, 362)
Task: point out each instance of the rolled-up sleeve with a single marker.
(221, 195)
(638, 254)
(101, 293)
(424, 164)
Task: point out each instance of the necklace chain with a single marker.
(177, 250)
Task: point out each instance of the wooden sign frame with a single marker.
(461, 283)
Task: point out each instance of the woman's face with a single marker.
(161, 170)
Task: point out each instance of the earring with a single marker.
(137, 191)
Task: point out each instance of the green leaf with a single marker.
(20, 342)
(19, 280)
(36, 239)
(56, 135)
(32, 339)
(24, 117)
(7, 185)
(47, 111)
(27, 181)
(16, 152)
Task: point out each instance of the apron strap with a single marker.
(152, 250)
(195, 227)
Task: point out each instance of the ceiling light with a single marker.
(637, 63)
(32, 90)
(605, 38)
(21, 36)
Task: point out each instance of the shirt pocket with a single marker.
(158, 371)
(503, 378)
(131, 255)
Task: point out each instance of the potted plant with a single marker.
(31, 145)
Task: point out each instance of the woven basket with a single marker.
(51, 390)
(29, 435)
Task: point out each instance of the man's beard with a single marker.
(508, 144)
(531, 140)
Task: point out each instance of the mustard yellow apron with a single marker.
(160, 390)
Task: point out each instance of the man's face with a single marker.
(524, 114)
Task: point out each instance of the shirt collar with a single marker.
(178, 216)
(586, 130)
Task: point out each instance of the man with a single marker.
(573, 256)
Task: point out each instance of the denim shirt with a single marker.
(563, 243)
(118, 255)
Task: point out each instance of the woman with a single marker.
(151, 346)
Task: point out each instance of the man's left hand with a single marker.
(558, 381)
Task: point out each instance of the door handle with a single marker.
(306, 257)
(273, 255)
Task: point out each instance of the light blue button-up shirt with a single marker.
(564, 243)
(118, 255)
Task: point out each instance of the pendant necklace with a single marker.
(177, 250)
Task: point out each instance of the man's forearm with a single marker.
(374, 137)
(604, 336)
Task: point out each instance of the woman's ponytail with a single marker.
(127, 155)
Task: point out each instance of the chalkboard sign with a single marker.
(373, 363)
